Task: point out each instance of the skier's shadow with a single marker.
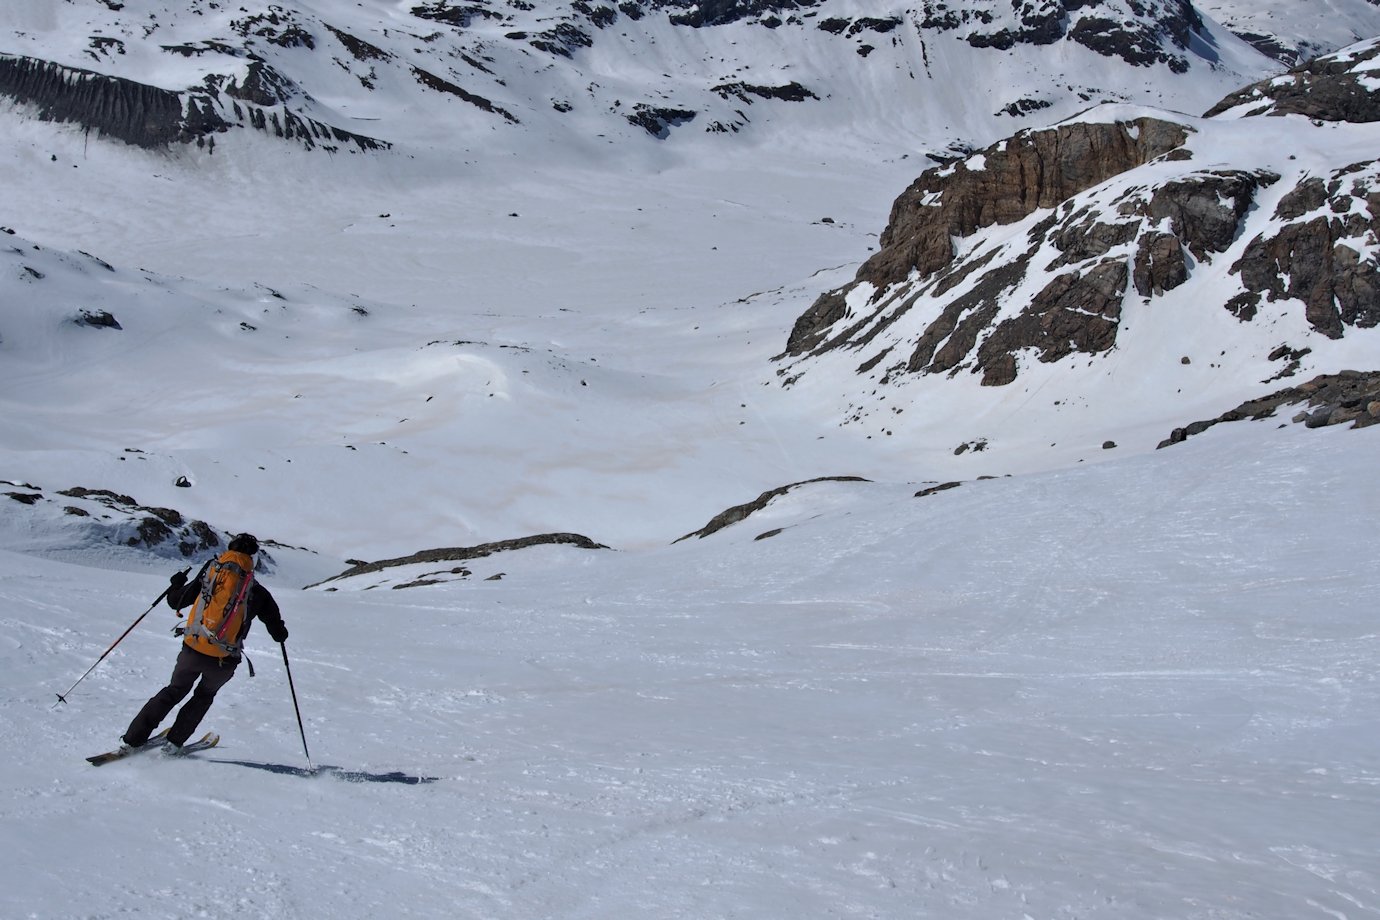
(349, 776)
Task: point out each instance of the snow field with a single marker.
(1138, 689)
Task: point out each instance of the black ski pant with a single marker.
(191, 664)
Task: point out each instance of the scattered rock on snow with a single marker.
(741, 512)
(1347, 397)
(463, 553)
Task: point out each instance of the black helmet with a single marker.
(244, 543)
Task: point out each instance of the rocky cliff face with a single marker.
(1001, 185)
(1074, 267)
(1320, 253)
(1030, 250)
(149, 117)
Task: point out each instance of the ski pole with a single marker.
(62, 697)
(302, 731)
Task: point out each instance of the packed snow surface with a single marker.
(1145, 689)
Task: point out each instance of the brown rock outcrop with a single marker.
(1315, 258)
(1006, 183)
(1329, 88)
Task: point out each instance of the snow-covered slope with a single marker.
(1277, 28)
(1140, 689)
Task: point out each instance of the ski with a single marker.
(205, 742)
(97, 760)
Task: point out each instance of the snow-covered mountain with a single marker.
(361, 76)
(662, 531)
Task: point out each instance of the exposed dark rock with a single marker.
(276, 26)
(1347, 397)
(1308, 195)
(1160, 264)
(459, 15)
(149, 117)
(1090, 238)
(1003, 40)
(875, 24)
(948, 339)
(812, 325)
(1151, 35)
(658, 121)
(1334, 87)
(1313, 258)
(1007, 182)
(445, 86)
(124, 521)
(701, 13)
(101, 262)
(135, 113)
(463, 553)
(97, 319)
(791, 92)
(1076, 312)
(1293, 358)
(358, 47)
(26, 498)
(201, 536)
(741, 512)
(1205, 210)
(152, 531)
(1271, 46)
(262, 85)
(562, 40)
(1023, 107)
(1134, 42)
(942, 487)
(1151, 238)
(104, 495)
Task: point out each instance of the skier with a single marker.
(226, 598)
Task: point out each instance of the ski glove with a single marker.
(277, 635)
(177, 580)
